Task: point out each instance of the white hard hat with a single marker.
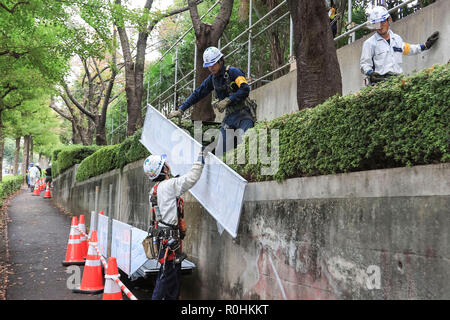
(153, 165)
(211, 56)
(376, 16)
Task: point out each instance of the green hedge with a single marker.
(117, 156)
(101, 161)
(112, 157)
(9, 185)
(65, 157)
(400, 122)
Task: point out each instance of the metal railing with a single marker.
(168, 99)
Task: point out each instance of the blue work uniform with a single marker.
(237, 115)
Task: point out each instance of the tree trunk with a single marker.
(2, 144)
(318, 72)
(133, 72)
(31, 146)
(25, 158)
(207, 35)
(16, 157)
(202, 110)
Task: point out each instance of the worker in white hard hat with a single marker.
(167, 221)
(232, 91)
(382, 53)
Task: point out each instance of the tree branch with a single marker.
(62, 114)
(76, 103)
(14, 6)
(8, 90)
(196, 22)
(13, 54)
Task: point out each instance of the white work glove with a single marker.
(177, 113)
(222, 104)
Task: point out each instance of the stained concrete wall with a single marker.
(380, 234)
(280, 96)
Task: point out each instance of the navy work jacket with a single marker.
(219, 83)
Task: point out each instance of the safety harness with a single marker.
(165, 236)
(231, 87)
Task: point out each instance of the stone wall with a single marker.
(379, 234)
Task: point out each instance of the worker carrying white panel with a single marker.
(220, 189)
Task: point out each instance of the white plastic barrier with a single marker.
(121, 245)
(126, 247)
(138, 257)
(102, 233)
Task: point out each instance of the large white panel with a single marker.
(220, 189)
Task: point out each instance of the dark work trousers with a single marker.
(167, 285)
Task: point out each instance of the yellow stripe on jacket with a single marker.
(406, 48)
(240, 80)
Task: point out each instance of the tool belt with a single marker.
(162, 235)
(156, 238)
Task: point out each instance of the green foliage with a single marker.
(65, 157)
(112, 157)
(399, 122)
(119, 155)
(131, 150)
(101, 161)
(9, 185)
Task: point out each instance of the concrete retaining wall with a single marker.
(380, 234)
(280, 96)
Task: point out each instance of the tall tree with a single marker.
(207, 35)
(318, 72)
(97, 90)
(134, 67)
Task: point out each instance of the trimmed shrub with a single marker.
(101, 161)
(68, 156)
(9, 185)
(118, 156)
(400, 122)
(131, 150)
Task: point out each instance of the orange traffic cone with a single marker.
(73, 254)
(92, 281)
(84, 243)
(41, 186)
(47, 194)
(101, 212)
(36, 189)
(112, 290)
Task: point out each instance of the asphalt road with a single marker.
(38, 233)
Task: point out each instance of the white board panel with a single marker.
(138, 257)
(220, 189)
(102, 234)
(121, 245)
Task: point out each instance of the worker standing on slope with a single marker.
(382, 53)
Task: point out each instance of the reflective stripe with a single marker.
(240, 80)
(92, 263)
(406, 48)
(111, 287)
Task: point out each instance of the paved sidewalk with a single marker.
(38, 233)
